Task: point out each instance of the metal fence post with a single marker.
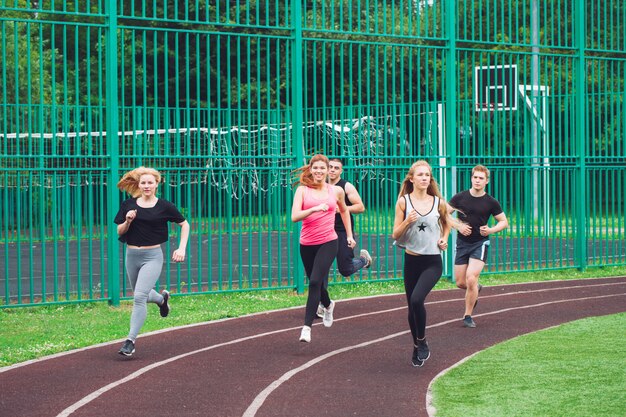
(297, 117)
(451, 116)
(581, 217)
(112, 127)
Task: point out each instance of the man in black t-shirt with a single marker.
(474, 207)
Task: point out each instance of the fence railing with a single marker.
(228, 98)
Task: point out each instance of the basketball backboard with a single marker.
(495, 87)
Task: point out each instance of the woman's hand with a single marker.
(442, 243)
(130, 216)
(412, 217)
(178, 255)
(321, 207)
(351, 242)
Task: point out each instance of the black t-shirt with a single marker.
(339, 227)
(150, 225)
(475, 211)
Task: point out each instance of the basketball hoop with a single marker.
(488, 108)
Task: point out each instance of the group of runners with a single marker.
(325, 204)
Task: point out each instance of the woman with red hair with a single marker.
(314, 204)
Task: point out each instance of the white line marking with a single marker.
(262, 396)
(208, 323)
(87, 399)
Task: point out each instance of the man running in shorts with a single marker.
(474, 207)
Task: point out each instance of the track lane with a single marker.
(225, 380)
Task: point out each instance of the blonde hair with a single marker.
(407, 185)
(481, 168)
(433, 189)
(305, 177)
(130, 180)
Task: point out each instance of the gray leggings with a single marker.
(144, 268)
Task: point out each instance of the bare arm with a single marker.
(400, 224)
(447, 226)
(123, 228)
(353, 195)
(179, 254)
(502, 223)
(297, 214)
(345, 215)
(462, 227)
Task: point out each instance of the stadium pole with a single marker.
(451, 125)
(112, 127)
(581, 97)
(296, 118)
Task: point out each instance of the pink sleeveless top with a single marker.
(319, 227)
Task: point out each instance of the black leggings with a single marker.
(421, 273)
(317, 260)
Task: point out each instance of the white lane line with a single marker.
(208, 323)
(87, 399)
(262, 396)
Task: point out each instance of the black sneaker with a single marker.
(468, 322)
(480, 287)
(415, 360)
(164, 307)
(423, 352)
(128, 348)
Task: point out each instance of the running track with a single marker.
(255, 366)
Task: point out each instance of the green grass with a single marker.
(33, 332)
(577, 369)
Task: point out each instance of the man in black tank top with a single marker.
(347, 264)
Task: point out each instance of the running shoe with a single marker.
(415, 360)
(328, 315)
(366, 255)
(164, 307)
(320, 311)
(128, 348)
(305, 335)
(423, 352)
(468, 322)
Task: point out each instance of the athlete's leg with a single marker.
(144, 268)
(459, 276)
(324, 255)
(425, 283)
(347, 264)
(412, 270)
(474, 268)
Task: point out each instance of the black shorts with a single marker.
(465, 251)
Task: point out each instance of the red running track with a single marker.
(255, 365)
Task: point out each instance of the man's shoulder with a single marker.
(460, 194)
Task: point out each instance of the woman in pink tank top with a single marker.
(315, 204)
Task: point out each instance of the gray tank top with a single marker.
(421, 237)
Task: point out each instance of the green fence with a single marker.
(227, 98)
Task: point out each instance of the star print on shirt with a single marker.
(422, 227)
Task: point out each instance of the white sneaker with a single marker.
(305, 335)
(320, 311)
(328, 315)
(366, 255)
